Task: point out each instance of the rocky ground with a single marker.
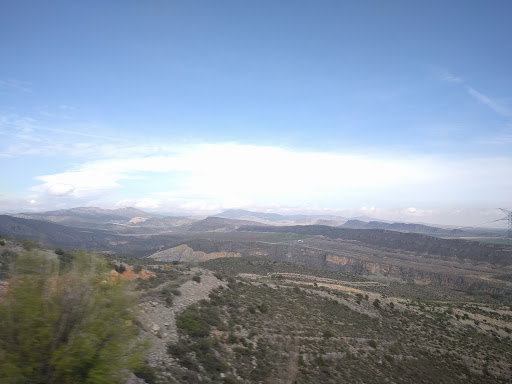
(158, 320)
(283, 326)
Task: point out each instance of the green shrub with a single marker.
(197, 278)
(372, 343)
(328, 333)
(28, 245)
(389, 358)
(168, 298)
(178, 350)
(319, 361)
(7, 257)
(65, 258)
(82, 332)
(191, 323)
(263, 308)
(232, 339)
(147, 373)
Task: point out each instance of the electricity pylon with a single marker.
(509, 219)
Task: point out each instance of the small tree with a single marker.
(7, 257)
(72, 327)
(263, 308)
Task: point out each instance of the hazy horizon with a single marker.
(327, 214)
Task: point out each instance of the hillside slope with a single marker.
(412, 242)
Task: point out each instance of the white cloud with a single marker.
(497, 106)
(79, 184)
(237, 175)
(208, 177)
(46, 135)
(14, 85)
(60, 189)
(450, 77)
(144, 203)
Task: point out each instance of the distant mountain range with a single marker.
(130, 231)
(360, 222)
(400, 227)
(242, 214)
(220, 224)
(130, 219)
(56, 234)
(105, 223)
(88, 217)
(122, 220)
(93, 213)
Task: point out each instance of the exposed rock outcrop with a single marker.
(158, 321)
(185, 253)
(359, 259)
(130, 275)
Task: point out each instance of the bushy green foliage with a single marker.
(7, 257)
(119, 268)
(192, 324)
(65, 258)
(328, 333)
(147, 373)
(198, 348)
(167, 296)
(72, 327)
(29, 245)
(263, 308)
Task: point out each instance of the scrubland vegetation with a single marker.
(277, 333)
(64, 320)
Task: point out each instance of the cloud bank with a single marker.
(205, 178)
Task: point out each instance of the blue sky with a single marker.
(398, 110)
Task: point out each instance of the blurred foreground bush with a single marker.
(66, 322)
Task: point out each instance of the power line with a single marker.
(480, 224)
(508, 217)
